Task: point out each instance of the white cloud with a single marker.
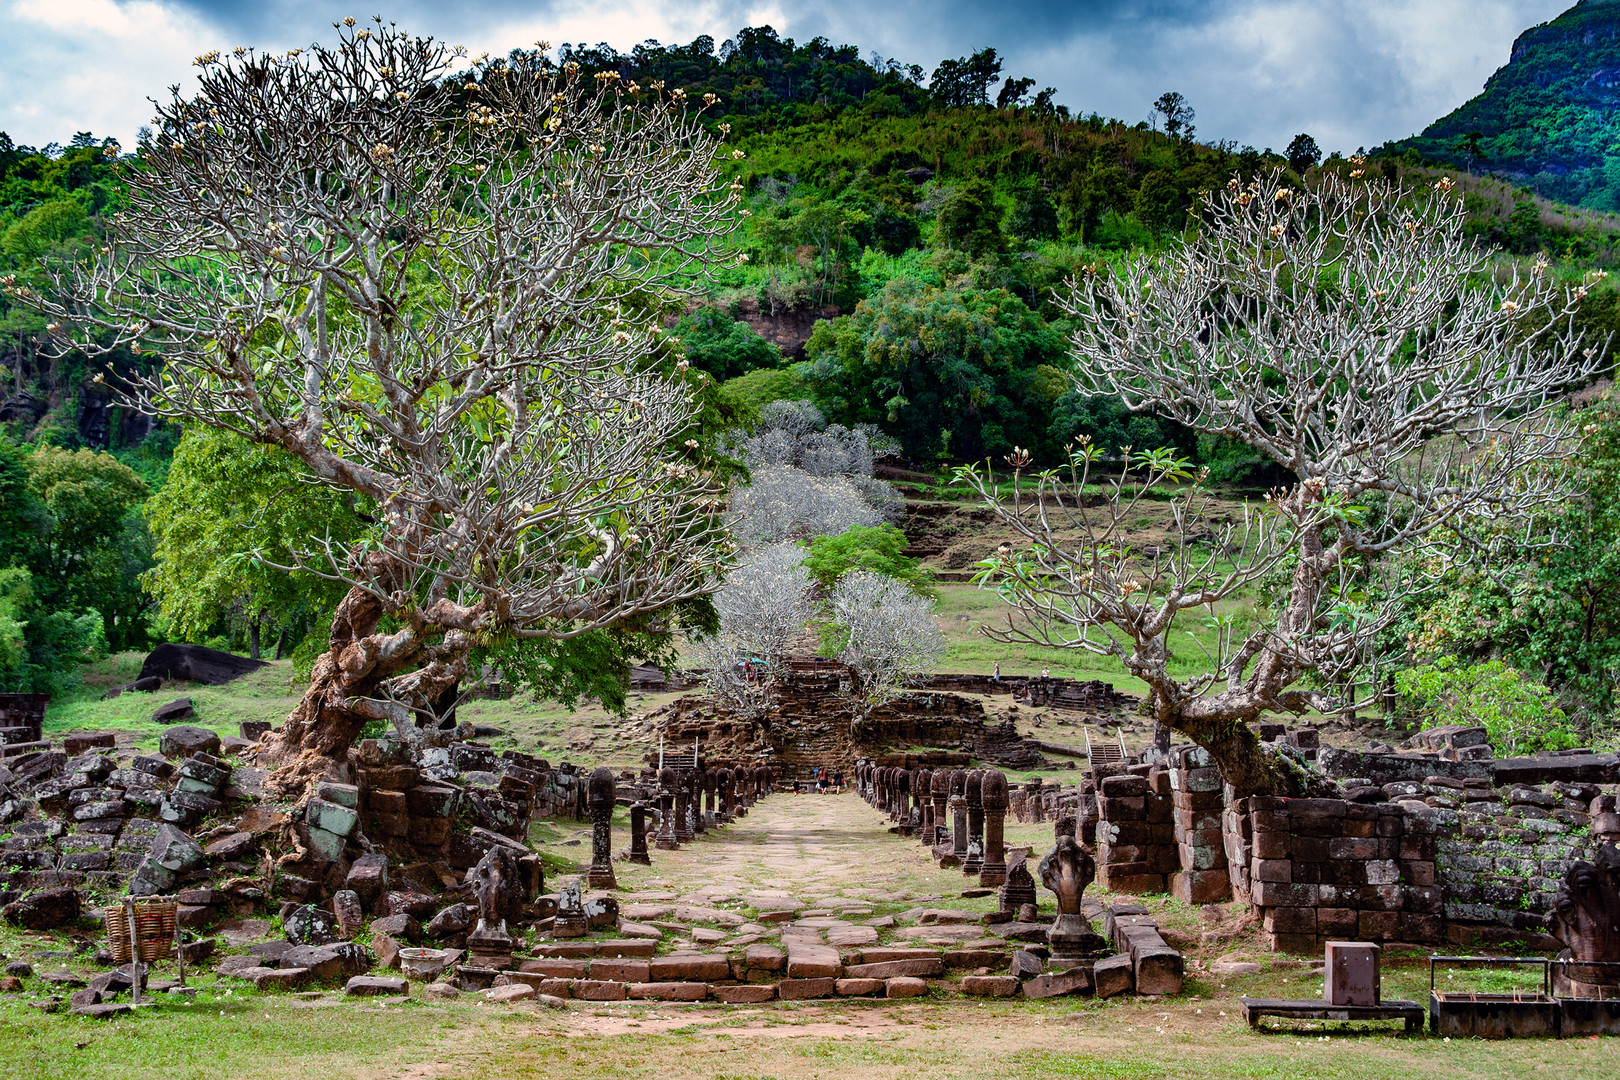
(90, 65)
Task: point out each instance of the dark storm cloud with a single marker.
(1350, 72)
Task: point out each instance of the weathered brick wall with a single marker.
(1136, 837)
(1198, 801)
(1322, 869)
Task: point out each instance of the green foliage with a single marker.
(879, 548)
(1520, 715)
(944, 371)
(757, 389)
(231, 515)
(91, 546)
(1033, 216)
(44, 228)
(1554, 609)
(722, 346)
(970, 220)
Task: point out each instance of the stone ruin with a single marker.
(1064, 956)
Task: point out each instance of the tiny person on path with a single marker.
(995, 671)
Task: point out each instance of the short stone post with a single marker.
(700, 783)
(1036, 814)
(940, 787)
(683, 806)
(726, 794)
(994, 798)
(602, 795)
(973, 790)
(638, 834)
(958, 800)
(903, 801)
(925, 806)
(668, 838)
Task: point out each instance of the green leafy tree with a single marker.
(968, 373)
(1302, 153)
(722, 346)
(227, 525)
(1033, 215)
(1520, 715)
(878, 548)
(970, 220)
(92, 546)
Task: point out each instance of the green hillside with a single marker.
(1550, 118)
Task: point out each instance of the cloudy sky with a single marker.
(1350, 72)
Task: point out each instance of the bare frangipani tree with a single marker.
(809, 478)
(433, 294)
(890, 636)
(762, 606)
(1353, 335)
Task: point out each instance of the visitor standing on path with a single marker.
(995, 671)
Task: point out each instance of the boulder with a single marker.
(173, 712)
(45, 910)
(452, 920)
(328, 962)
(196, 663)
(376, 985)
(176, 852)
(185, 740)
(310, 925)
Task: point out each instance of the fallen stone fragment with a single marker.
(377, 985)
(905, 987)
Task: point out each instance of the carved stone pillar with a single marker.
(700, 788)
(994, 798)
(958, 800)
(602, 793)
(727, 794)
(925, 806)
(903, 801)
(668, 838)
(638, 834)
(973, 790)
(683, 806)
(940, 787)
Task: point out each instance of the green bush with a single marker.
(1520, 715)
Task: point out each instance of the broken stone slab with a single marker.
(1114, 975)
(858, 987)
(806, 988)
(279, 978)
(173, 712)
(811, 961)
(328, 962)
(668, 991)
(852, 936)
(764, 958)
(105, 1011)
(905, 986)
(689, 968)
(186, 739)
(921, 968)
(745, 995)
(333, 817)
(989, 985)
(308, 924)
(175, 851)
(45, 910)
(378, 985)
(231, 847)
(1077, 980)
(440, 990)
(694, 913)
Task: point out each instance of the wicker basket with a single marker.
(155, 922)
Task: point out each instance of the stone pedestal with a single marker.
(726, 784)
(994, 798)
(702, 786)
(1019, 888)
(903, 802)
(638, 834)
(940, 789)
(667, 839)
(973, 790)
(925, 807)
(683, 808)
(602, 793)
(571, 920)
(958, 803)
(490, 946)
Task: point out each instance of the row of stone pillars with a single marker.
(690, 802)
(917, 800)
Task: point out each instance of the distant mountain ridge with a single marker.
(1548, 119)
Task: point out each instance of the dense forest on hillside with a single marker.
(908, 235)
(1548, 119)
